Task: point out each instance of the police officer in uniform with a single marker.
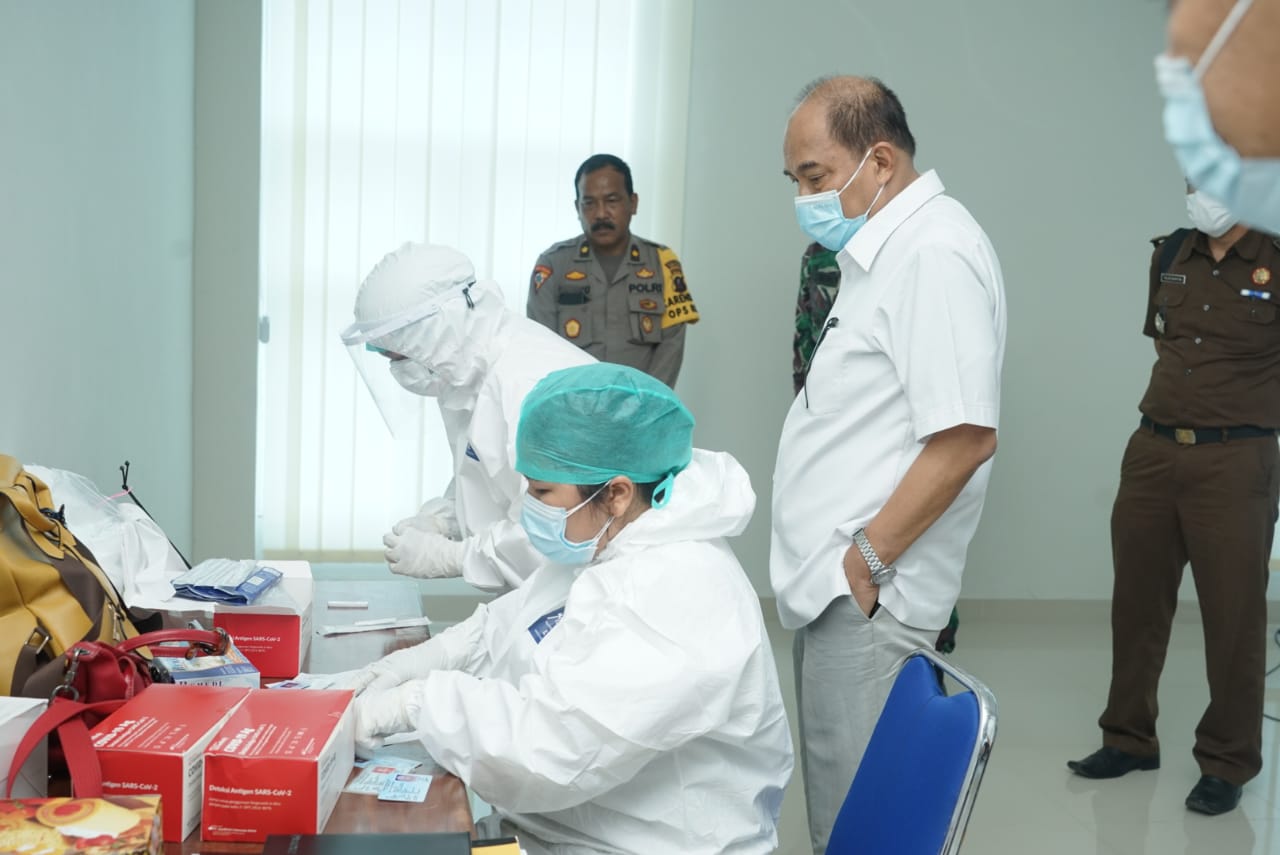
(1199, 484)
(619, 297)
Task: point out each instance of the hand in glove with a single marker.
(374, 678)
(355, 681)
(437, 516)
(389, 711)
(424, 555)
(410, 663)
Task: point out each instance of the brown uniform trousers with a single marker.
(1212, 503)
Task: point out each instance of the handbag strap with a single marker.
(66, 717)
(207, 642)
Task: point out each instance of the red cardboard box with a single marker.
(278, 765)
(273, 633)
(114, 825)
(155, 744)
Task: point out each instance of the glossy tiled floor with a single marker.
(1049, 672)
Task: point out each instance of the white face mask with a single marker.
(1250, 187)
(418, 378)
(1209, 215)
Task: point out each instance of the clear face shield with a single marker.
(400, 408)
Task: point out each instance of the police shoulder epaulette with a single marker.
(568, 242)
(1159, 239)
(647, 242)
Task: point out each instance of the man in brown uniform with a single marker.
(619, 297)
(1199, 483)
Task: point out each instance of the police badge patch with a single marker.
(541, 274)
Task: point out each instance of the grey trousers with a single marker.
(845, 666)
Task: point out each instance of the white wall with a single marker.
(1043, 118)
(228, 86)
(95, 244)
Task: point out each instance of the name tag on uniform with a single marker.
(543, 625)
(1173, 278)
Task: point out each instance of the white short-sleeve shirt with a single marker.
(913, 345)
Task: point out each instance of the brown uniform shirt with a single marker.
(636, 317)
(1218, 362)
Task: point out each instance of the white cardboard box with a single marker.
(16, 716)
(155, 744)
(278, 765)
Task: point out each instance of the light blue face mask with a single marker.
(545, 526)
(821, 216)
(1249, 187)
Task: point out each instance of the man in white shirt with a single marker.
(883, 462)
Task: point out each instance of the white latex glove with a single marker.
(409, 663)
(423, 555)
(355, 681)
(438, 516)
(389, 711)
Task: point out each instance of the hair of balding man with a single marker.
(861, 111)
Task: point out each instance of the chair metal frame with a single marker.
(980, 751)
(988, 713)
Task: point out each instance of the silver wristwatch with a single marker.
(880, 572)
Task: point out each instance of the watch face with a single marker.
(882, 576)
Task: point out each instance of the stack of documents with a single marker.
(221, 580)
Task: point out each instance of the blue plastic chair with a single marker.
(915, 788)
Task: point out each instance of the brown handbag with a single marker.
(53, 594)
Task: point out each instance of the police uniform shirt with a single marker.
(635, 317)
(1217, 335)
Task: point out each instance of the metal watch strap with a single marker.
(880, 572)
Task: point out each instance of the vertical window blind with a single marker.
(458, 122)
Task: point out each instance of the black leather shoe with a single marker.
(1112, 763)
(1212, 795)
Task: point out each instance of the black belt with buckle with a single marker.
(1197, 436)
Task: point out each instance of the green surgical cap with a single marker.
(590, 423)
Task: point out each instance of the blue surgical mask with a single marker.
(821, 216)
(1249, 187)
(545, 524)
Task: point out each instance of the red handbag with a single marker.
(99, 679)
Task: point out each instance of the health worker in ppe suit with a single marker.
(451, 337)
(625, 698)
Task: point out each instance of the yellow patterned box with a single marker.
(112, 825)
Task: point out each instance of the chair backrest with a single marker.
(915, 788)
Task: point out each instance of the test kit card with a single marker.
(404, 787)
(372, 779)
(400, 764)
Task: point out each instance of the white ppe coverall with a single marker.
(649, 717)
(480, 422)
